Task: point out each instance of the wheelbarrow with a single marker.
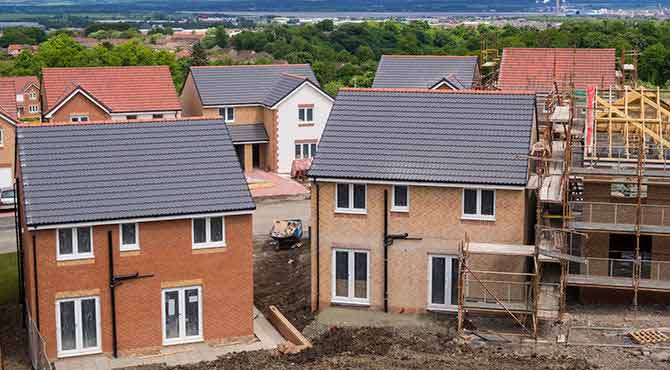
(286, 232)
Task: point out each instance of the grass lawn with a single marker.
(9, 290)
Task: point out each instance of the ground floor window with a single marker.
(351, 277)
(182, 315)
(78, 326)
(442, 282)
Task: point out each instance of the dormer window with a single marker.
(228, 114)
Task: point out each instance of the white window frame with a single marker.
(350, 299)
(350, 208)
(310, 153)
(32, 95)
(129, 247)
(478, 215)
(2, 137)
(225, 114)
(208, 234)
(33, 109)
(396, 208)
(182, 321)
(75, 245)
(77, 118)
(447, 284)
(78, 328)
(305, 109)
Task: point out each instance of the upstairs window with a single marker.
(79, 118)
(351, 198)
(33, 109)
(400, 198)
(2, 137)
(157, 116)
(209, 232)
(228, 114)
(74, 243)
(306, 114)
(479, 204)
(33, 95)
(305, 150)
(129, 237)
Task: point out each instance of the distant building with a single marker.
(27, 96)
(15, 50)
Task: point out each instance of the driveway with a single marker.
(270, 210)
(7, 233)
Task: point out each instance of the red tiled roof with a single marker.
(121, 89)
(537, 69)
(21, 82)
(8, 99)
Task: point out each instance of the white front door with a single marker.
(6, 178)
(182, 315)
(78, 326)
(442, 282)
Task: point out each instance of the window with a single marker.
(2, 137)
(400, 198)
(79, 118)
(129, 236)
(228, 114)
(182, 315)
(351, 198)
(305, 150)
(306, 114)
(442, 282)
(209, 232)
(157, 116)
(33, 109)
(33, 95)
(19, 98)
(74, 243)
(350, 277)
(131, 117)
(479, 204)
(78, 326)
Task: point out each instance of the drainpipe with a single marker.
(386, 251)
(318, 246)
(37, 302)
(19, 249)
(112, 291)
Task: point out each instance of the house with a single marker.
(14, 50)
(275, 113)
(135, 235)
(27, 96)
(427, 72)
(401, 178)
(85, 94)
(8, 120)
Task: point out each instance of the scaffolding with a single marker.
(489, 61)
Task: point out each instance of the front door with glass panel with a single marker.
(182, 315)
(78, 321)
(350, 283)
(442, 282)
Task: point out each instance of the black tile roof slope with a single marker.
(424, 71)
(107, 171)
(427, 136)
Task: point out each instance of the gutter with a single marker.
(386, 250)
(37, 301)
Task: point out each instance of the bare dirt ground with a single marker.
(13, 339)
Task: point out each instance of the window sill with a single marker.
(75, 258)
(351, 211)
(130, 252)
(305, 124)
(208, 246)
(175, 342)
(129, 248)
(345, 301)
(400, 210)
(433, 308)
(478, 218)
(67, 354)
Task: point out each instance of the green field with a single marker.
(9, 291)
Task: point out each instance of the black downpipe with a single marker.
(112, 290)
(318, 246)
(19, 250)
(37, 301)
(386, 251)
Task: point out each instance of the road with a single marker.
(268, 211)
(7, 233)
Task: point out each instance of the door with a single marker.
(182, 315)
(351, 277)
(78, 326)
(239, 149)
(6, 180)
(442, 282)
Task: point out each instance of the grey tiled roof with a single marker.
(262, 84)
(443, 137)
(240, 134)
(108, 171)
(423, 72)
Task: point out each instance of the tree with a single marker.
(333, 87)
(199, 55)
(221, 37)
(22, 35)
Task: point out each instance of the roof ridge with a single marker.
(409, 56)
(104, 67)
(294, 76)
(432, 91)
(120, 122)
(251, 65)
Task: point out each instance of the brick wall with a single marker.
(434, 216)
(79, 105)
(190, 100)
(7, 149)
(225, 274)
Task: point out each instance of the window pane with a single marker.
(400, 193)
(83, 119)
(359, 196)
(454, 281)
(470, 202)
(310, 115)
(128, 237)
(199, 232)
(342, 195)
(89, 323)
(84, 239)
(360, 275)
(298, 153)
(216, 229)
(312, 150)
(305, 151)
(222, 112)
(67, 326)
(65, 241)
(301, 114)
(488, 202)
(192, 312)
(231, 114)
(341, 274)
(437, 280)
(171, 314)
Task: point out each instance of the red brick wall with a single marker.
(225, 274)
(79, 105)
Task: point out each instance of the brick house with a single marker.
(104, 93)
(131, 250)
(427, 72)
(275, 113)
(396, 191)
(27, 96)
(8, 120)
